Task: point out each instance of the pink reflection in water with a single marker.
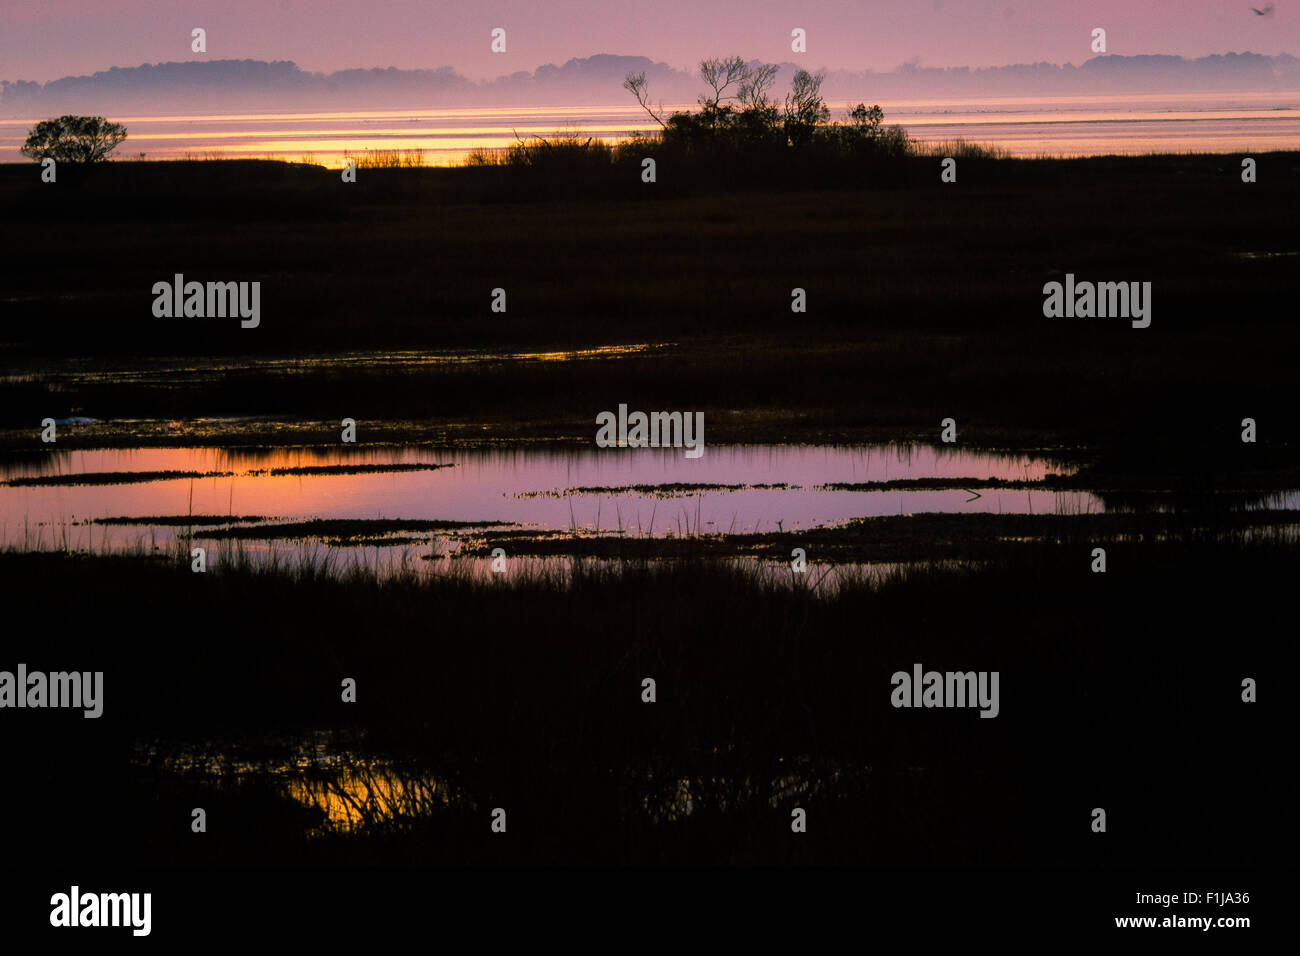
(524, 486)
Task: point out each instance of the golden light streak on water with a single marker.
(1024, 126)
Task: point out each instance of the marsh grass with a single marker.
(391, 159)
(960, 149)
(523, 691)
(561, 150)
(575, 150)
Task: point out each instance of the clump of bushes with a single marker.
(741, 136)
(740, 132)
(739, 116)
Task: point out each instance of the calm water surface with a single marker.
(538, 488)
(1025, 126)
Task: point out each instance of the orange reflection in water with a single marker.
(369, 794)
(731, 489)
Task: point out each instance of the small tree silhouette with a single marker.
(73, 139)
(805, 109)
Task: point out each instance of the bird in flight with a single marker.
(1266, 12)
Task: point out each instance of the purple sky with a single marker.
(45, 39)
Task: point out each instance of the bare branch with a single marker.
(721, 73)
(753, 88)
(635, 83)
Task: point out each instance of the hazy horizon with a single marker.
(76, 37)
(250, 109)
(279, 85)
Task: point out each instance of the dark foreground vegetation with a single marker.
(924, 300)
(1119, 690)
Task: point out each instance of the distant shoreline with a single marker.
(1026, 125)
